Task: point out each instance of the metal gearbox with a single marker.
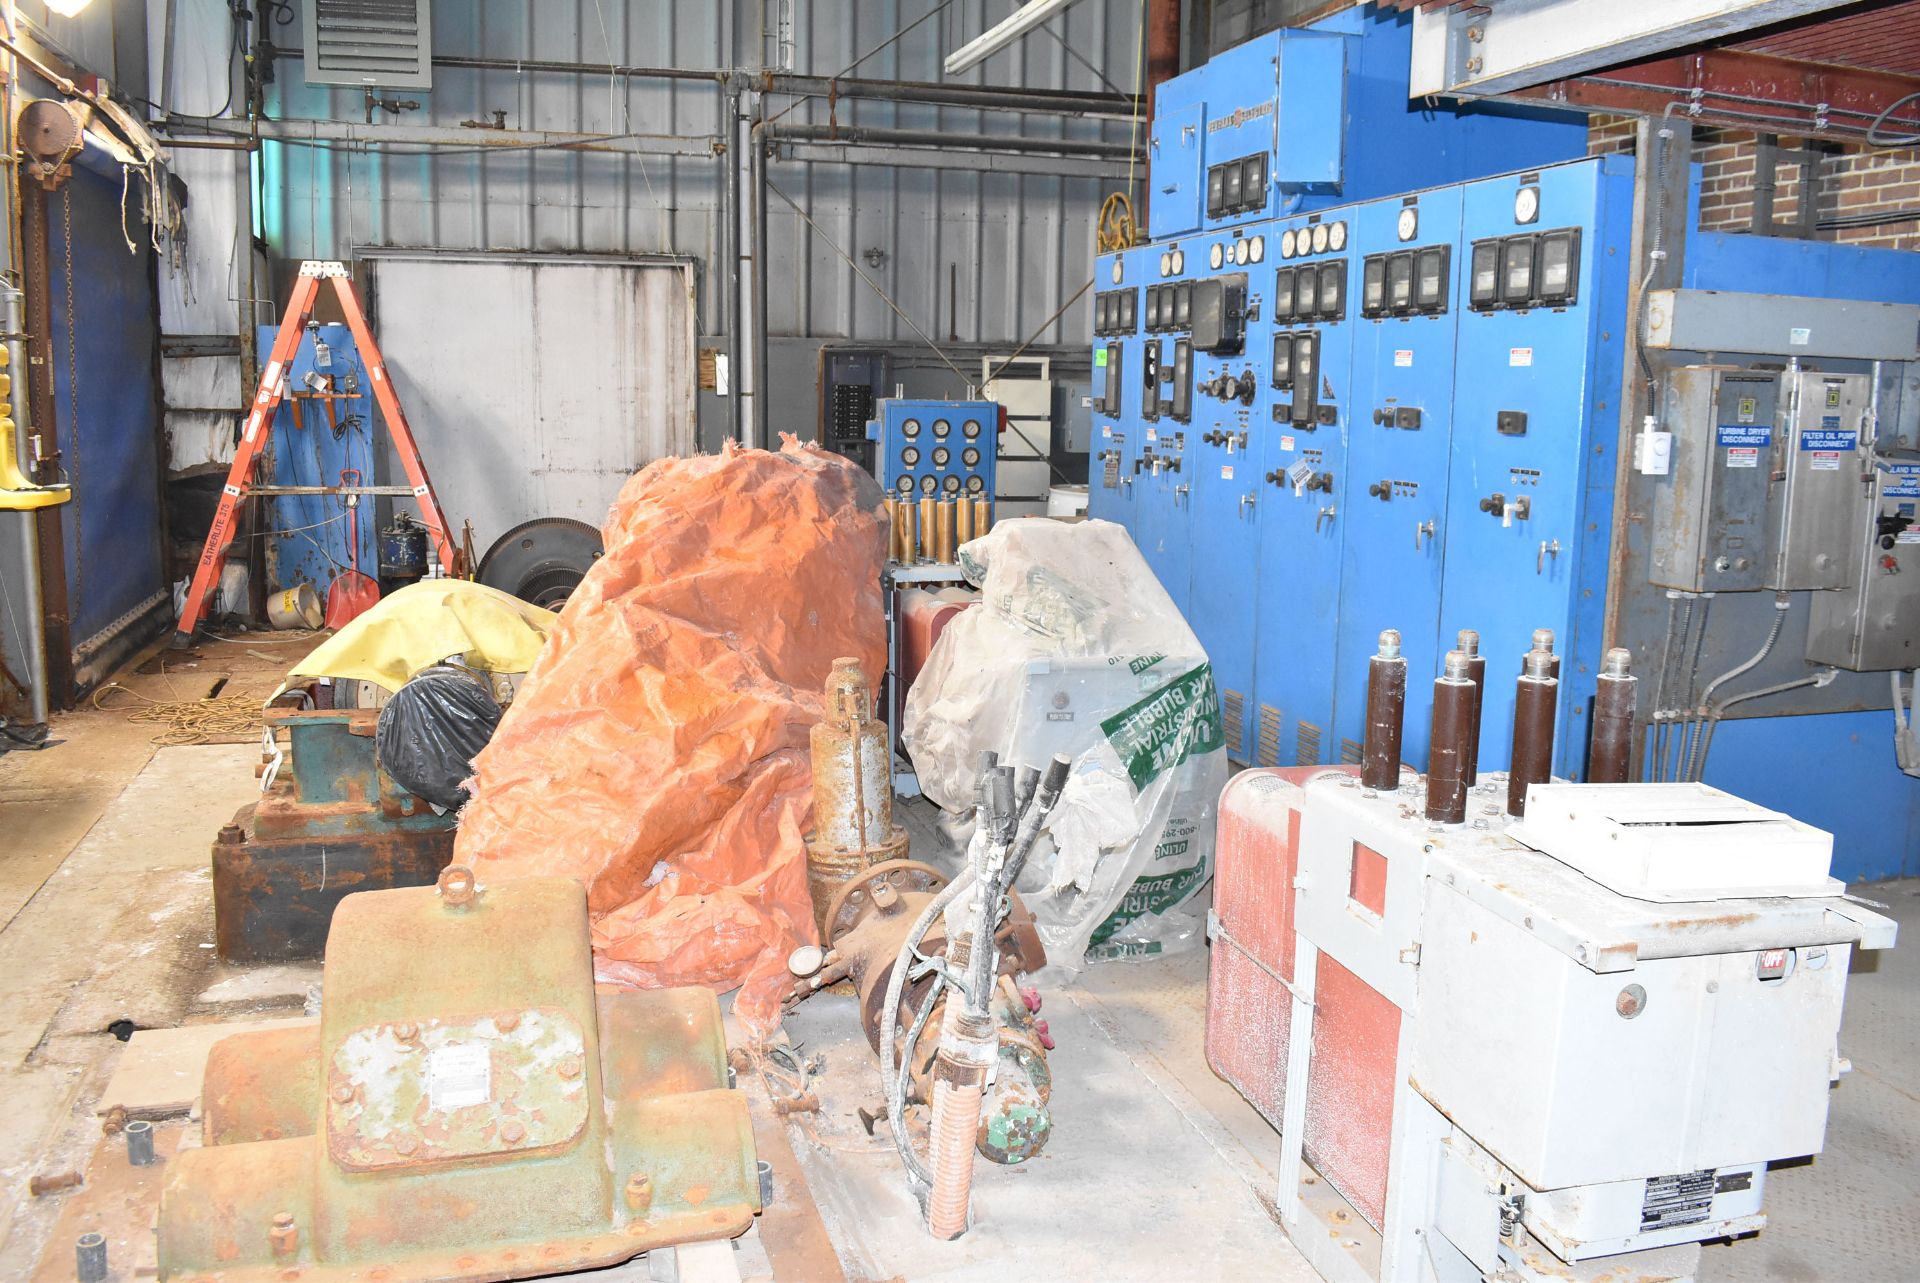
(467, 1108)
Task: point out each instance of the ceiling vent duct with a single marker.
(385, 43)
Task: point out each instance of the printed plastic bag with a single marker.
(1076, 649)
(433, 728)
(658, 749)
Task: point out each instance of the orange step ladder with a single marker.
(259, 429)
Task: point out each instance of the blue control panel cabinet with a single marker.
(935, 449)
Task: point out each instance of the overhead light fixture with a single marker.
(1005, 32)
(67, 8)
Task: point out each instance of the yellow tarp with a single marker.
(426, 622)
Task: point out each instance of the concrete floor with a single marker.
(1157, 1169)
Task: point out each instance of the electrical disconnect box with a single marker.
(1874, 622)
(1764, 489)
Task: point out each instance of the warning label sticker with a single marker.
(1744, 434)
(1824, 461)
(1286, 443)
(1403, 357)
(1743, 457)
(1226, 472)
(459, 1075)
(1520, 356)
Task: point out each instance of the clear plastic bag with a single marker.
(1076, 649)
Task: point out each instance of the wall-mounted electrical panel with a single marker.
(1873, 623)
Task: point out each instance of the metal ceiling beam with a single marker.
(1479, 51)
(1739, 88)
(1001, 34)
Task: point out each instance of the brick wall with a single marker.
(1853, 180)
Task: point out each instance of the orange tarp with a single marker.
(658, 749)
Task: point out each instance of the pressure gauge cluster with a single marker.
(1315, 238)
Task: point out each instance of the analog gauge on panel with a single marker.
(1118, 271)
(910, 457)
(970, 457)
(1320, 235)
(970, 429)
(941, 428)
(1337, 237)
(1257, 248)
(928, 484)
(1242, 252)
(1287, 241)
(1179, 261)
(1409, 223)
(909, 428)
(904, 485)
(1166, 263)
(1217, 255)
(940, 457)
(952, 485)
(975, 485)
(1526, 205)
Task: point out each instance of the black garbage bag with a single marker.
(432, 728)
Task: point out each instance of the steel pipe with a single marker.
(946, 140)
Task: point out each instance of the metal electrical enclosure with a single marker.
(936, 449)
(1874, 622)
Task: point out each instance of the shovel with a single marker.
(352, 592)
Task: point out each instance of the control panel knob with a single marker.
(1274, 478)
(1244, 387)
(1494, 503)
(1381, 490)
(1321, 481)
(1383, 417)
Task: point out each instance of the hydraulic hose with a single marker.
(892, 1077)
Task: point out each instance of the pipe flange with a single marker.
(854, 898)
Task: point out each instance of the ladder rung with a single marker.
(397, 491)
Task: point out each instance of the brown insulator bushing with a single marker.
(1543, 641)
(1386, 709)
(1467, 642)
(1614, 702)
(1534, 698)
(1453, 701)
(929, 530)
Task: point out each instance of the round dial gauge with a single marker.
(1320, 234)
(975, 485)
(1287, 243)
(940, 457)
(1166, 263)
(904, 485)
(1526, 204)
(910, 457)
(1257, 248)
(1409, 223)
(1217, 255)
(941, 428)
(910, 428)
(952, 485)
(970, 429)
(1337, 237)
(1179, 261)
(1117, 270)
(970, 457)
(927, 484)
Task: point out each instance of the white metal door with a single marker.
(537, 385)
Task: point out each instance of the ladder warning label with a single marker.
(459, 1075)
(1744, 434)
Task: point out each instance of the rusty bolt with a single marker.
(405, 1143)
(284, 1237)
(1473, 66)
(40, 1185)
(343, 1093)
(406, 1031)
(570, 1067)
(639, 1192)
(1476, 34)
(513, 1131)
(885, 898)
(231, 834)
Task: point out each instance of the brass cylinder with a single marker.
(943, 527)
(982, 516)
(1386, 710)
(1453, 699)
(929, 539)
(962, 523)
(1614, 701)
(895, 510)
(1534, 700)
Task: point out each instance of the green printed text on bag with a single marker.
(1178, 721)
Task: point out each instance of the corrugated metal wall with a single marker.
(1017, 244)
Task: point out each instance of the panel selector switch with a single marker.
(1381, 490)
(1508, 510)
